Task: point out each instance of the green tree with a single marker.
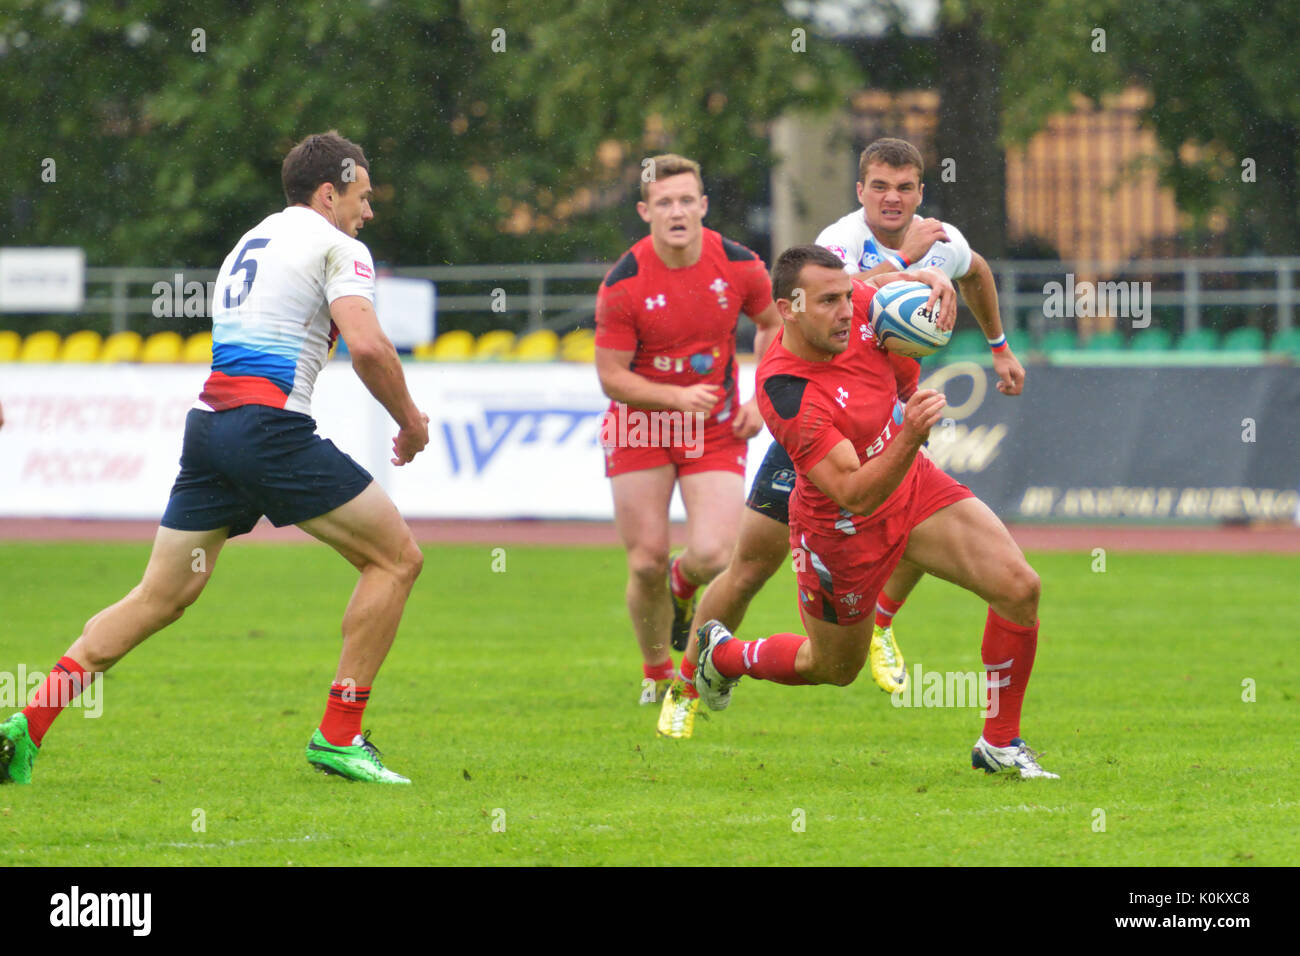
(1225, 103)
(496, 132)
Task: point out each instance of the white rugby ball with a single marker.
(902, 324)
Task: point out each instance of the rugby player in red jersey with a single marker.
(863, 500)
(666, 318)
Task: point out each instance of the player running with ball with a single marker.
(864, 499)
(883, 235)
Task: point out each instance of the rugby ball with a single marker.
(902, 324)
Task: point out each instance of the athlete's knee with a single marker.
(165, 605)
(1023, 587)
(708, 561)
(751, 570)
(842, 673)
(411, 561)
(648, 565)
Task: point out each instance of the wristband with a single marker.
(999, 344)
(903, 259)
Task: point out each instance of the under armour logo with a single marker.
(866, 331)
(652, 301)
(841, 397)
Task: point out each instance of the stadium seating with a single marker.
(161, 347)
(1154, 339)
(121, 347)
(40, 347)
(967, 342)
(540, 346)
(1284, 343)
(578, 346)
(1244, 339)
(198, 349)
(82, 346)
(457, 346)
(1059, 340)
(1202, 340)
(1104, 342)
(10, 343)
(494, 345)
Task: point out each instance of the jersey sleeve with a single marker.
(349, 270)
(961, 257)
(907, 375)
(801, 417)
(615, 321)
(757, 288)
(831, 238)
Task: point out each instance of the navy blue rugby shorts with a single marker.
(770, 493)
(254, 460)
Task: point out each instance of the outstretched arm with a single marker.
(981, 294)
(376, 363)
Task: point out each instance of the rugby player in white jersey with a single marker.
(884, 235)
(290, 285)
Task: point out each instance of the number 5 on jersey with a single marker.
(248, 267)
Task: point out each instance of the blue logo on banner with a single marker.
(501, 426)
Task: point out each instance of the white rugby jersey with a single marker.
(850, 238)
(271, 326)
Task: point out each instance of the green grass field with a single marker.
(510, 699)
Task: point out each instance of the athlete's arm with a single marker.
(981, 294)
(749, 420)
(862, 487)
(376, 363)
(619, 382)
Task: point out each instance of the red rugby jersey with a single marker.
(810, 407)
(681, 323)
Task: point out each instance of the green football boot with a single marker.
(17, 751)
(357, 762)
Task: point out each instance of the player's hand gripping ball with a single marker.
(901, 323)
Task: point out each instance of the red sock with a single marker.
(771, 658)
(677, 581)
(656, 672)
(1008, 652)
(886, 608)
(65, 681)
(688, 677)
(342, 720)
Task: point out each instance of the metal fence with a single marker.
(1187, 293)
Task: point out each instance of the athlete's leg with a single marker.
(967, 544)
(641, 500)
(902, 581)
(830, 654)
(179, 567)
(714, 501)
(371, 534)
(762, 548)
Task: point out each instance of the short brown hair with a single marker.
(789, 266)
(892, 152)
(320, 158)
(668, 164)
